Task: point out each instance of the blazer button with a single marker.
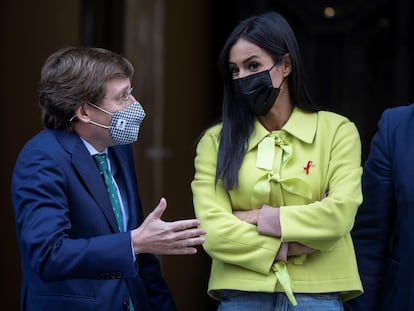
(126, 305)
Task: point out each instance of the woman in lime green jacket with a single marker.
(277, 182)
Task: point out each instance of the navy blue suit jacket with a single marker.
(72, 255)
(384, 229)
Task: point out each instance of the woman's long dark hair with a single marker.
(271, 32)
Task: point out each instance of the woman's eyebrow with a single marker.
(246, 60)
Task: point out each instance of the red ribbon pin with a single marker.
(307, 167)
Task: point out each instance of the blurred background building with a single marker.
(358, 56)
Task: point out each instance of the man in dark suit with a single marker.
(83, 241)
(384, 230)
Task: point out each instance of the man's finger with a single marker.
(159, 209)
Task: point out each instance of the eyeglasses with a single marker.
(123, 98)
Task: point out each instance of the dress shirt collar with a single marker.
(92, 149)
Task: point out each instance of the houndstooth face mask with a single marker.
(125, 123)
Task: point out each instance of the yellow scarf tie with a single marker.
(265, 158)
(282, 275)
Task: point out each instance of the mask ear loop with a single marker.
(74, 116)
(93, 105)
(93, 122)
(284, 79)
(101, 109)
(272, 67)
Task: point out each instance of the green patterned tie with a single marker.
(102, 164)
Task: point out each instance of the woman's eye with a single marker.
(233, 71)
(253, 66)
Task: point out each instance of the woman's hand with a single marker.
(297, 249)
(250, 216)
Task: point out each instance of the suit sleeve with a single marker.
(159, 296)
(53, 247)
(373, 221)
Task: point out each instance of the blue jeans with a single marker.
(233, 300)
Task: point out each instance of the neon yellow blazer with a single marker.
(315, 179)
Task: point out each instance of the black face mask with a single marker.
(257, 91)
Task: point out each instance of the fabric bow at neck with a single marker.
(292, 185)
(266, 150)
(265, 160)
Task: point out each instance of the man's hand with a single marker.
(167, 238)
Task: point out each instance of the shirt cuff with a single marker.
(268, 222)
(134, 256)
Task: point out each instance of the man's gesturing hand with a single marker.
(167, 238)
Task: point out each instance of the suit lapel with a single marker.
(124, 175)
(89, 173)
